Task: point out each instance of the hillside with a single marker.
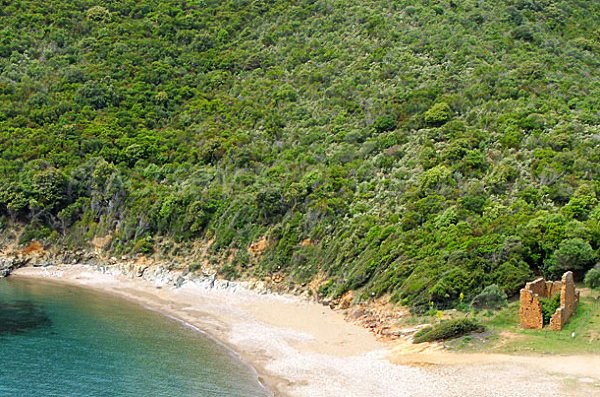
(424, 149)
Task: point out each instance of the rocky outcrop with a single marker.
(8, 264)
(531, 315)
(163, 276)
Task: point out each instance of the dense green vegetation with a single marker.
(549, 306)
(421, 148)
(491, 298)
(592, 278)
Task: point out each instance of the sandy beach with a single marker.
(301, 348)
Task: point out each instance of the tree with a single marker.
(438, 114)
(97, 94)
(384, 123)
(271, 204)
(573, 254)
(98, 14)
(592, 278)
(50, 189)
(581, 203)
(107, 191)
(491, 297)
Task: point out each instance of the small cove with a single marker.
(57, 339)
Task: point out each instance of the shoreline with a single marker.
(300, 348)
(168, 301)
(146, 305)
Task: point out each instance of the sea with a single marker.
(62, 340)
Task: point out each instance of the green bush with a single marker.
(492, 298)
(573, 254)
(98, 13)
(144, 245)
(512, 275)
(438, 114)
(194, 266)
(448, 330)
(549, 306)
(384, 123)
(34, 232)
(523, 32)
(592, 278)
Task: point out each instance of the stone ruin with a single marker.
(531, 308)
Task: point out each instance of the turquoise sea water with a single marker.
(58, 340)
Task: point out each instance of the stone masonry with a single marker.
(531, 308)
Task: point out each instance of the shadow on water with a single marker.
(20, 317)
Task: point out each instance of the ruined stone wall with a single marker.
(569, 299)
(537, 286)
(531, 315)
(553, 288)
(530, 311)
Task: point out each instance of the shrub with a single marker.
(34, 232)
(448, 330)
(438, 114)
(581, 203)
(523, 32)
(98, 14)
(326, 288)
(97, 94)
(573, 254)
(195, 266)
(384, 123)
(549, 306)
(492, 297)
(592, 278)
(144, 245)
(512, 275)
(271, 204)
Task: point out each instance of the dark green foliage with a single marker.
(549, 306)
(492, 298)
(448, 329)
(592, 278)
(34, 232)
(573, 254)
(421, 150)
(271, 205)
(384, 123)
(512, 275)
(523, 32)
